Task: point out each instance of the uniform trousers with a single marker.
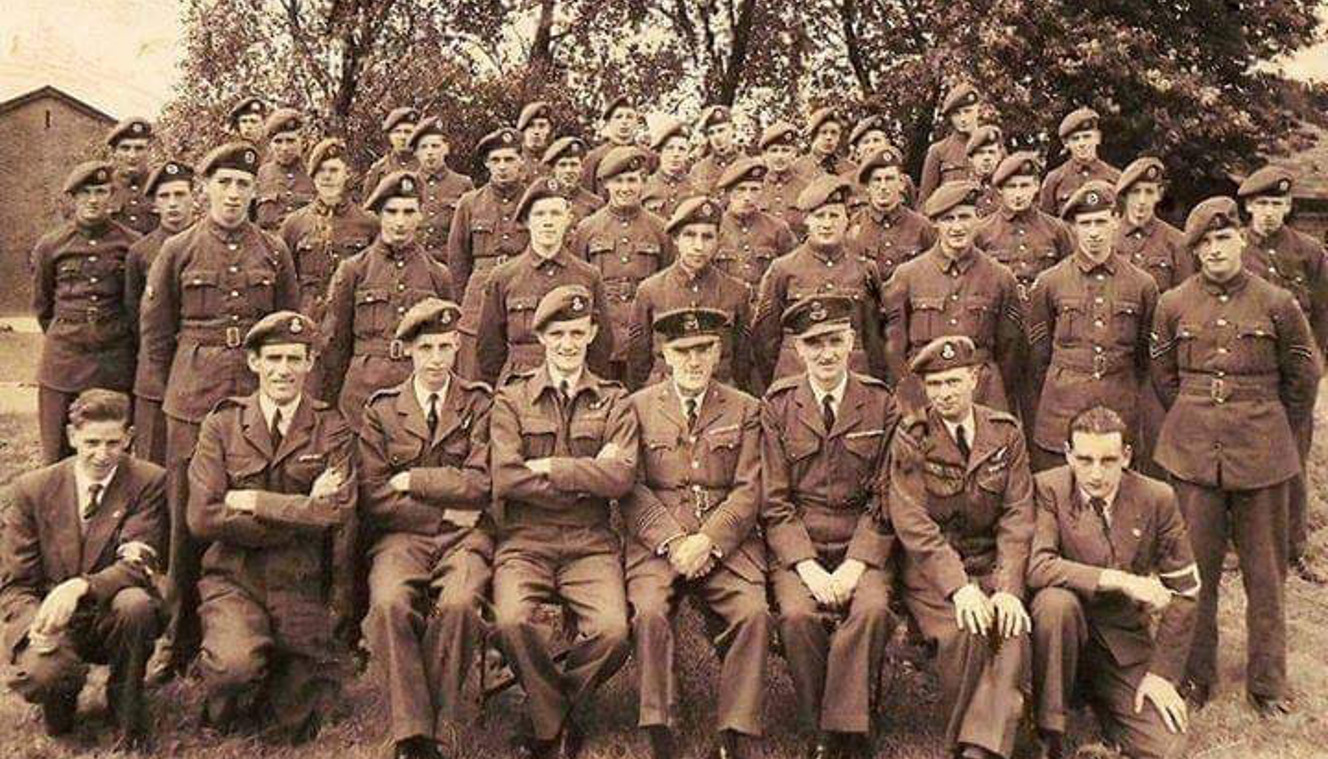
(149, 431)
(1299, 507)
(52, 416)
(184, 552)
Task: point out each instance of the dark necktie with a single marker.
(690, 403)
(828, 413)
(275, 430)
(961, 439)
(1100, 507)
(94, 501)
(432, 418)
(563, 390)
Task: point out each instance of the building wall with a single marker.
(40, 141)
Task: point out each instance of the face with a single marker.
(985, 159)
(622, 125)
(625, 189)
(99, 445)
(780, 157)
(744, 196)
(1220, 252)
(504, 166)
(567, 170)
(229, 192)
(432, 357)
(827, 224)
(826, 355)
(885, 187)
(1141, 201)
(1098, 462)
(92, 203)
(330, 180)
(286, 147)
(721, 137)
(548, 219)
(399, 218)
(432, 151)
(827, 137)
(250, 127)
(870, 142)
(174, 204)
(130, 154)
(965, 119)
(1268, 213)
(398, 135)
(281, 369)
(955, 228)
(673, 155)
(1018, 192)
(536, 136)
(1083, 144)
(1095, 231)
(696, 245)
(951, 392)
(565, 343)
(692, 364)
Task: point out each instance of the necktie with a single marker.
(94, 500)
(1100, 506)
(690, 403)
(275, 430)
(432, 418)
(828, 412)
(563, 390)
(961, 439)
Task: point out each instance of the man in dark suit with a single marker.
(80, 541)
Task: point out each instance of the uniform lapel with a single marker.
(944, 449)
(449, 415)
(809, 411)
(298, 431)
(255, 427)
(986, 444)
(849, 413)
(410, 413)
(104, 522)
(712, 409)
(670, 407)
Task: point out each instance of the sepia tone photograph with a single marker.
(690, 379)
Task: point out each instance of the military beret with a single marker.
(1093, 195)
(1077, 121)
(430, 316)
(963, 94)
(742, 170)
(879, 159)
(694, 210)
(620, 160)
(248, 105)
(614, 104)
(563, 304)
(819, 118)
(533, 110)
(564, 147)
(668, 128)
(1146, 169)
(398, 184)
(822, 191)
(281, 328)
(944, 354)
(864, 126)
(817, 314)
(397, 116)
(1212, 214)
(88, 173)
(1270, 180)
(170, 171)
(949, 196)
(239, 156)
(134, 127)
(326, 149)
(541, 188)
(426, 126)
(982, 137)
(693, 325)
(283, 120)
(778, 133)
(715, 114)
(498, 139)
(1025, 163)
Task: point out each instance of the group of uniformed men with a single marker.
(443, 393)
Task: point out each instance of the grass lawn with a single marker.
(910, 723)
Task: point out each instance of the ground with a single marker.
(909, 726)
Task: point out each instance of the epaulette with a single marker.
(997, 415)
(783, 385)
(911, 438)
(472, 384)
(231, 400)
(512, 377)
(872, 381)
(383, 392)
(319, 404)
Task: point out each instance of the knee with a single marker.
(512, 618)
(231, 667)
(393, 604)
(37, 677)
(1054, 607)
(457, 607)
(135, 611)
(798, 619)
(649, 616)
(607, 626)
(873, 609)
(753, 615)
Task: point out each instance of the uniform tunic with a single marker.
(441, 191)
(1028, 243)
(748, 245)
(393, 160)
(281, 191)
(946, 161)
(319, 238)
(130, 207)
(1061, 182)
(779, 197)
(149, 422)
(889, 238)
(668, 191)
(1158, 248)
(706, 172)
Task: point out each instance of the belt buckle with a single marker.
(1218, 390)
(1099, 365)
(394, 350)
(701, 501)
(232, 337)
(1022, 289)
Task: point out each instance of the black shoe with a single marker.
(1308, 572)
(573, 741)
(417, 748)
(734, 745)
(1269, 707)
(1051, 745)
(58, 714)
(662, 745)
(1197, 695)
(854, 746)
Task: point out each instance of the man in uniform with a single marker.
(692, 281)
(1089, 320)
(671, 183)
(369, 294)
(564, 443)
(1295, 262)
(329, 230)
(1081, 136)
(506, 343)
(78, 298)
(716, 125)
(984, 151)
(625, 242)
(825, 130)
(825, 433)
(691, 522)
(867, 138)
(824, 265)
(563, 159)
(953, 289)
(961, 500)
(1233, 361)
(884, 229)
(80, 543)
(245, 120)
(441, 187)
(1023, 237)
(130, 206)
(621, 121)
(283, 184)
(783, 183)
(424, 480)
(946, 160)
(272, 490)
(206, 288)
(749, 239)
(536, 127)
(398, 125)
(1110, 550)
(171, 187)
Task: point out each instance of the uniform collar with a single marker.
(422, 393)
(226, 235)
(832, 254)
(836, 393)
(624, 214)
(539, 261)
(701, 277)
(1025, 215)
(506, 195)
(1144, 229)
(96, 230)
(880, 216)
(1088, 266)
(269, 407)
(963, 262)
(548, 379)
(969, 423)
(1230, 287)
(1269, 241)
(682, 399)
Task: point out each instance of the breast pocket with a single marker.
(979, 318)
(200, 296)
(1070, 321)
(68, 270)
(260, 289)
(1189, 336)
(538, 438)
(587, 435)
(481, 239)
(660, 450)
(926, 319)
(722, 448)
(1125, 322)
(864, 451)
(403, 452)
(245, 472)
(1256, 347)
(372, 311)
(520, 311)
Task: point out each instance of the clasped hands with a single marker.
(831, 590)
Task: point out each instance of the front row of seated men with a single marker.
(818, 498)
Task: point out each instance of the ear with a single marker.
(1127, 456)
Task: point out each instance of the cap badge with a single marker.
(1091, 199)
(250, 156)
(578, 303)
(507, 136)
(691, 324)
(1027, 167)
(1152, 172)
(553, 185)
(947, 351)
(172, 169)
(707, 209)
(818, 313)
(137, 128)
(296, 326)
(1284, 185)
(101, 175)
(445, 318)
(407, 185)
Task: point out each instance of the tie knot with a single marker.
(433, 399)
(94, 490)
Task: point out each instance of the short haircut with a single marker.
(98, 405)
(1098, 420)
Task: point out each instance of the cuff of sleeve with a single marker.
(560, 473)
(868, 549)
(791, 545)
(663, 548)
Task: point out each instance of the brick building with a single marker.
(43, 133)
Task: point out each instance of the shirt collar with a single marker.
(83, 483)
(422, 393)
(269, 408)
(969, 423)
(682, 399)
(835, 393)
(1144, 229)
(1109, 504)
(556, 378)
(1011, 215)
(879, 216)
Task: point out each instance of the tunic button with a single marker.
(232, 246)
(696, 465)
(1221, 374)
(1224, 298)
(625, 259)
(954, 296)
(92, 242)
(954, 321)
(1097, 348)
(1098, 300)
(1223, 351)
(1023, 247)
(235, 293)
(233, 269)
(92, 280)
(235, 317)
(1098, 323)
(401, 264)
(1221, 322)
(401, 309)
(401, 287)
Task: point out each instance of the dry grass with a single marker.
(909, 725)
